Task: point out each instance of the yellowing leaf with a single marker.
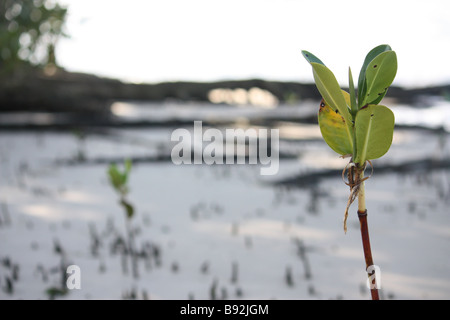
(329, 88)
(334, 128)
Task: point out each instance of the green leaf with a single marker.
(128, 165)
(351, 86)
(311, 58)
(362, 87)
(374, 129)
(327, 84)
(123, 178)
(329, 88)
(115, 177)
(119, 179)
(334, 128)
(53, 292)
(380, 74)
(129, 209)
(125, 173)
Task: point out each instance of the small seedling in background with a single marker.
(119, 181)
(354, 125)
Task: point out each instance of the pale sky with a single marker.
(208, 40)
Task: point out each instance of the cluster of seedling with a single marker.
(119, 181)
(354, 125)
(55, 276)
(59, 288)
(148, 253)
(126, 246)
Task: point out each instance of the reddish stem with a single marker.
(367, 251)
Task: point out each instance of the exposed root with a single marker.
(354, 182)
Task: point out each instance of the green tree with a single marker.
(29, 32)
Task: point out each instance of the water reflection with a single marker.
(435, 116)
(241, 97)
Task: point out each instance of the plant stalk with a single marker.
(362, 215)
(131, 250)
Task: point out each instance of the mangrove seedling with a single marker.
(119, 181)
(355, 125)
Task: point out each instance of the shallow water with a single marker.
(221, 230)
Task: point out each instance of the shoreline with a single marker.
(86, 93)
